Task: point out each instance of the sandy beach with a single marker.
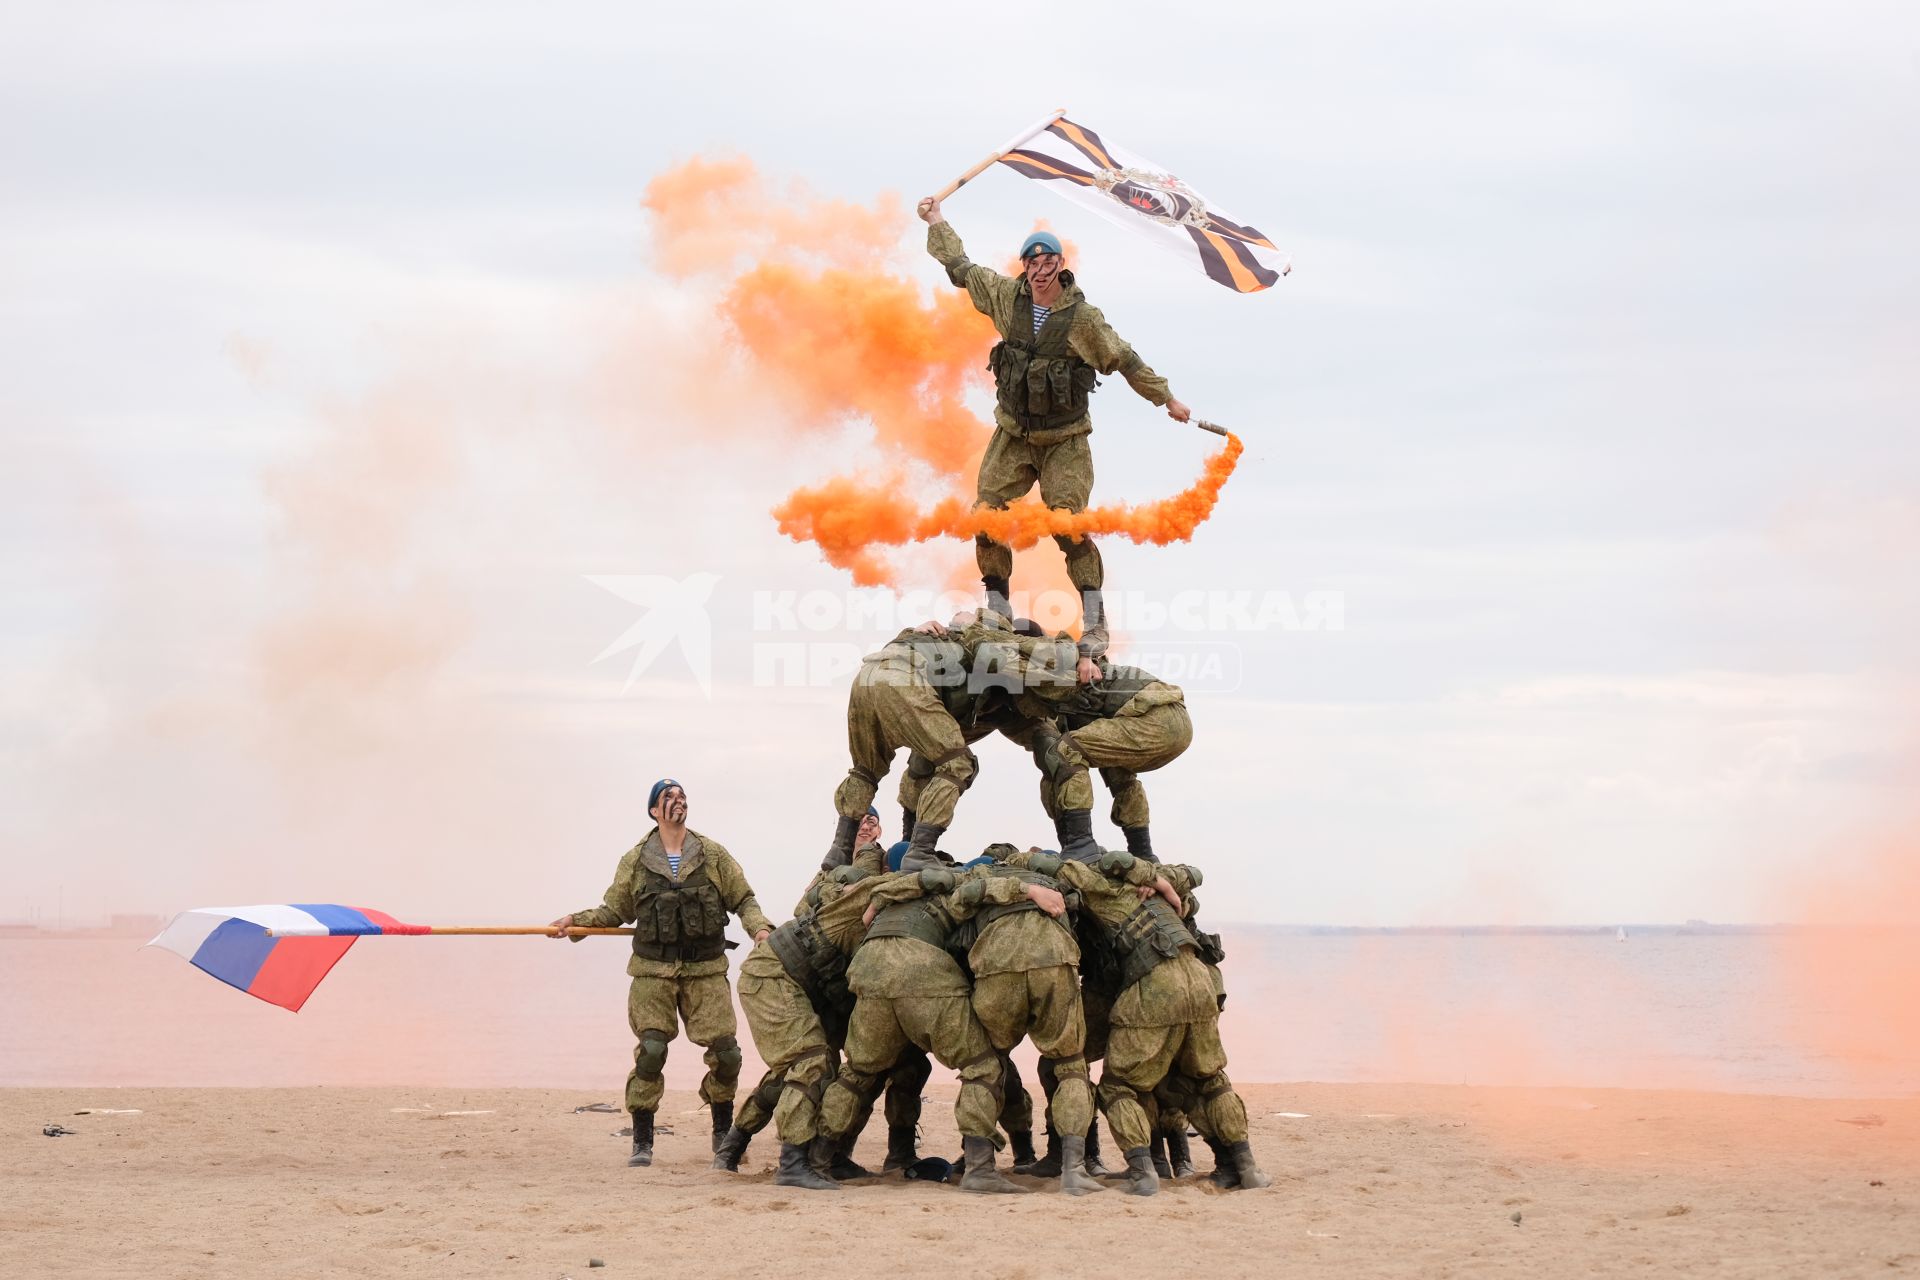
(1370, 1180)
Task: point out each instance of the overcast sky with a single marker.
(1592, 396)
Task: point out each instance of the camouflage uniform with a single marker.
(1042, 380)
(928, 692)
(1178, 1094)
(1166, 1017)
(1026, 983)
(794, 991)
(910, 991)
(679, 963)
(1125, 723)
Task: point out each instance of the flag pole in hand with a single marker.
(994, 159)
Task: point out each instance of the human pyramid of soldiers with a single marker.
(897, 957)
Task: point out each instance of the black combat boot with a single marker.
(1180, 1153)
(1074, 1178)
(840, 852)
(920, 850)
(907, 819)
(1021, 1142)
(642, 1139)
(1094, 1167)
(844, 1166)
(998, 591)
(796, 1170)
(1157, 1152)
(1224, 1175)
(980, 1174)
(1047, 1166)
(722, 1121)
(820, 1154)
(1140, 843)
(901, 1149)
(731, 1149)
(1141, 1179)
(1251, 1179)
(1075, 830)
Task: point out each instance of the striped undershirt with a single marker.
(1040, 315)
(673, 864)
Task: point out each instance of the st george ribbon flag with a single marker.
(1123, 188)
(278, 952)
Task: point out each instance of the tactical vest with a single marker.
(1103, 699)
(815, 963)
(1207, 945)
(1099, 966)
(1038, 381)
(1147, 939)
(679, 919)
(910, 919)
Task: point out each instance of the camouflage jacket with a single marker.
(617, 907)
(1006, 301)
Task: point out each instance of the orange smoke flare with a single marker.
(849, 516)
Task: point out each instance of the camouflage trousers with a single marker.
(791, 1040)
(1189, 1059)
(1064, 471)
(881, 1031)
(892, 705)
(1122, 747)
(655, 1008)
(1044, 1005)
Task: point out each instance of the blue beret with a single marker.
(1039, 241)
(653, 796)
(896, 853)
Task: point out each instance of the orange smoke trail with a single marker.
(848, 516)
(830, 325)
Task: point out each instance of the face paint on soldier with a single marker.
(1043, 277)
(670, 808)
(869, 830)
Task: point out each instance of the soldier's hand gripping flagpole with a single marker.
(1018, 140)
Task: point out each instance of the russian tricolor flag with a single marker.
(278, 953)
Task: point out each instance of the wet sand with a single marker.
(1376, 1180)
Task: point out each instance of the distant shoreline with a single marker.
(1693, 928)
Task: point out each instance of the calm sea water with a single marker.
(1675, 1011)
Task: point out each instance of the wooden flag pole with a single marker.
(573, 931)
(476, 930)
(994, 159)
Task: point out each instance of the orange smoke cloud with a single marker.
(829, 324)
(849, 516)
(1853, 972)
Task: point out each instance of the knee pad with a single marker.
(1112, 1092)
(1213, 1086)
(652, 1058)
(959, 769)
(727, 1059)
(1055, 763)
(1064, 1068)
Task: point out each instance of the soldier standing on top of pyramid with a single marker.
(1053, 344)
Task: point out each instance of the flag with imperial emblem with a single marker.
(1076, 162)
